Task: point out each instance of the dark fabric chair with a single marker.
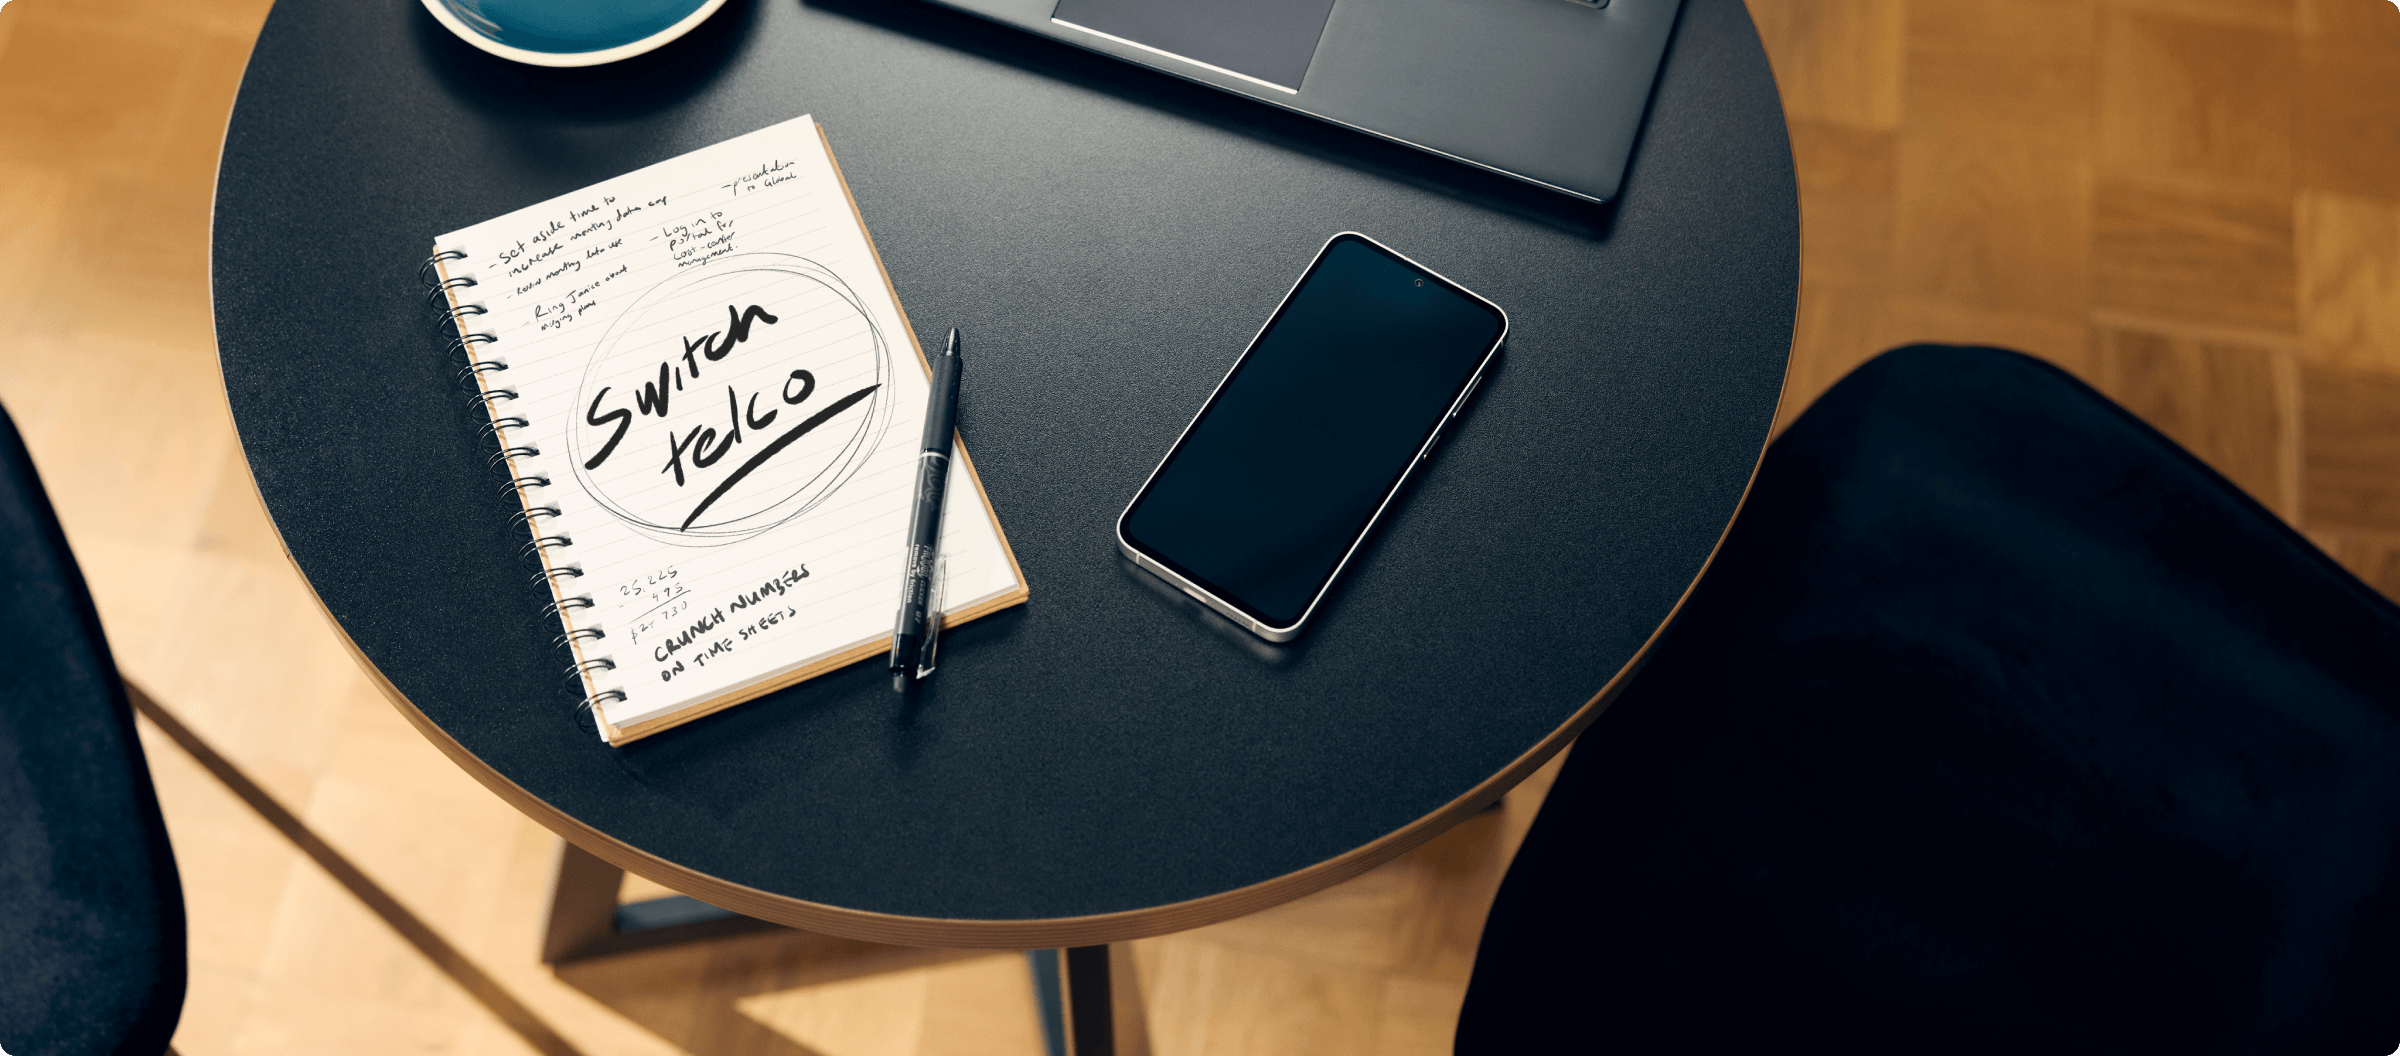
(2001, 724)
(91, 913)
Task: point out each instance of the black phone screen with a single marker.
(1289, 462)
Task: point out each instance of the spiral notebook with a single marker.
(707, 398)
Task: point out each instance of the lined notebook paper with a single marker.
(710, 401)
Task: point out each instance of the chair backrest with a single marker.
(91, 912)
(2000, 724)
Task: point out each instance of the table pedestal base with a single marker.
(586, 921)
(1089, 1003)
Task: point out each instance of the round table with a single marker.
(1107, 761)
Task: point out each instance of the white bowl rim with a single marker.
(450, 20)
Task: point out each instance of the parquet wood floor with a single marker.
(2193, 205)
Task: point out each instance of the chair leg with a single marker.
(586, 921)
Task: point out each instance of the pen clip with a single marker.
(933, 616)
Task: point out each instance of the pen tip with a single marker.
(953, 349)
(899, 681)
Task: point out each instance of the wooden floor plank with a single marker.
(2223, 401)
(2349, 276)
(2014, 73)
(1847, 177)
(1838, 60)
(2199, 99)
(2349, 134)
(2060, 338)
(2195, 250)
(2351, 426)
(2000, 229)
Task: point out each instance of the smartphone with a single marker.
(1269, 491)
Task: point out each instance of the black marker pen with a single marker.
(912, 640)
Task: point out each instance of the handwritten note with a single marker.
(723, 399)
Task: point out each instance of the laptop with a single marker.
(1551, 92)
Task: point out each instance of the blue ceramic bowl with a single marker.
(570, 32)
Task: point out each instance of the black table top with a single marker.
(1108, 760)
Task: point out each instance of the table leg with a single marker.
(1047, 1000)
(1090, 1002)
(586, 921)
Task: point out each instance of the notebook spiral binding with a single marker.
(445, 295)
(546, 542)
(462, 341)
(459, 314)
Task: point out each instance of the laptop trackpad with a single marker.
(1267, 40)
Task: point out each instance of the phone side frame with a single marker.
(1458, 403)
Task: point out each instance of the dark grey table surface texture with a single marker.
(1107, 238)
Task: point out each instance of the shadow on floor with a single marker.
(691, 995)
